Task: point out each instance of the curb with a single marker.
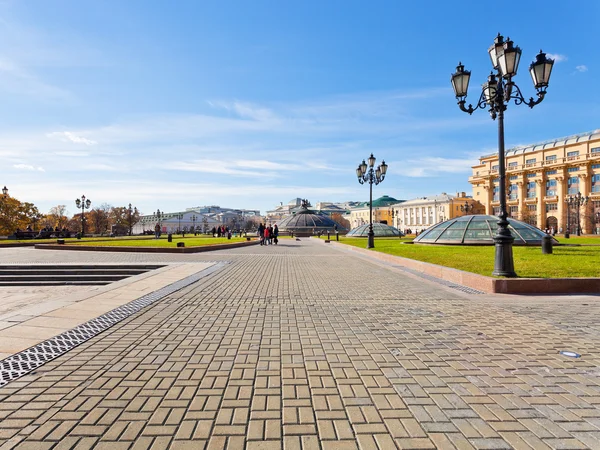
(90, 248)
(486, 284)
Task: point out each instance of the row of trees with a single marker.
(16, 215)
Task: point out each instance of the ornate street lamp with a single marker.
(371, 176)
(496, 94)
(577, 200)
(83, 204)
(130, 212)
(4, 193)
(194, 222)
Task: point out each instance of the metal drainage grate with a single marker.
(24, 362)
(458, 287)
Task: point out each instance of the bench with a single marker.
(24, 235)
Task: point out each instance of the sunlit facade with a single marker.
(539, 178)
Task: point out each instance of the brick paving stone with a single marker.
(303, 346)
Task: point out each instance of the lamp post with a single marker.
(130, 212)
(194, 223)
(83, 204)
(204, 224)
(467, 208)
(371, 176)
(179, 216)
(577, 200)
(496, 94)
(158, 217)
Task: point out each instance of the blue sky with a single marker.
(247, 104)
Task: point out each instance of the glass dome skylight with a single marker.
(379, 230)
(478, 230)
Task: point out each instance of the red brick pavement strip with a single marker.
(300, 346)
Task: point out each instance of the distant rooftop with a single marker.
(558, 142)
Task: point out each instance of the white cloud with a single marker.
(431, 166)
(581, 68)
(557, 57)
(67, 136)
(18, 80)
(28, 167)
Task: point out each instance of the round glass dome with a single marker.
(379, 230)
(479, 230)
(309, 222)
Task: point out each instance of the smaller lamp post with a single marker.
(158, 217)
(578, 201)
(371, 176)
(130, 212)
(83, 204)
(179, 216)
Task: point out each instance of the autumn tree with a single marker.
(16, 215)
(57, 216)
(99, 219)
(337, 217)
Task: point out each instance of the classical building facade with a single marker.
(382, 212)
(539, 178)
(420, 213)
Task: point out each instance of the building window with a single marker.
(514, 211)
(513, 164)
(551, 172)
(531, 175)
(551, 207)
(573, 185)
(530, 161)
(572, 154)
(551, 158)
(532, 208)
(496, 197)
(595, 150)
(550, 188)
(531, 189)
(596, 183)
(572, 169)
(513, 177)
(496, 210)
(496, 180)
(596, 166)
(495, 167)
(513, 192)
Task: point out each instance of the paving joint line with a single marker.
(26, 361)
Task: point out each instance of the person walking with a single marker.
(275, 234)
(261, 233)
(267, 236)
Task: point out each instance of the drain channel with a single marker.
(22, 363)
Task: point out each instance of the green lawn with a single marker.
(565, 262)
(190, 241)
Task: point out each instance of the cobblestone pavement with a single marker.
(301, 346)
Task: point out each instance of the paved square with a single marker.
(304, 346)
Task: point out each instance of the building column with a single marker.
(584, 188)
(540, 212)
(561, 188)
(489, 193)
(522, 194)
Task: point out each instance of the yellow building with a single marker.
(539, 178)
(420, 213)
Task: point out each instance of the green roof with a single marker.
(384, 201)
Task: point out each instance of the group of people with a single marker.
(268, 235)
